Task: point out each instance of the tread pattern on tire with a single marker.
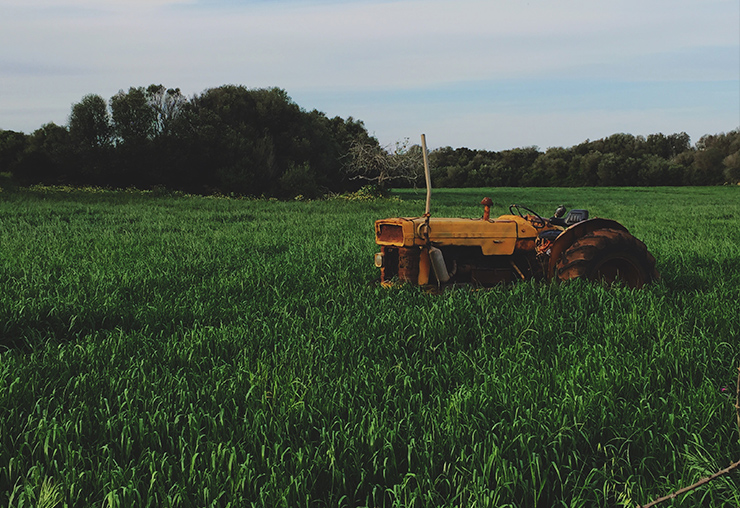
(580, 259)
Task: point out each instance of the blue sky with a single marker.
(487, 74)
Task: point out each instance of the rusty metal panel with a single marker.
(397, 231)
(424, 266)
(494, 237)
(408, 264)
(390, 233)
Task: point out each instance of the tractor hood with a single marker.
(495, 237)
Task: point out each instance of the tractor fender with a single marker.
(573, 233)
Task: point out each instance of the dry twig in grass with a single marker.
(707, 479)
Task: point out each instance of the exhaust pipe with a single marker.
(440, 267)
(427, 175)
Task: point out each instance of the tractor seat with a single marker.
(576, 216)
(550, 234)
(573, 217)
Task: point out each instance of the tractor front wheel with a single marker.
(608, 255)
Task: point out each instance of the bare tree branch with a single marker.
(701, 482)
(737, 402)
(707, 479)
(381, 165)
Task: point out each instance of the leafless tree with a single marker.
(383, 165)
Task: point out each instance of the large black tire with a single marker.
(608, 255)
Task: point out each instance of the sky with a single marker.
(482, 74)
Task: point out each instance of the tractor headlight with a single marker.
(379, 260)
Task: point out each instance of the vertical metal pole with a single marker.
(426, 174)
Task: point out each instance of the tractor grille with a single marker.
(392, 233)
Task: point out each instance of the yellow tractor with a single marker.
(519, 246)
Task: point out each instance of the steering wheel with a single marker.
(537, 222)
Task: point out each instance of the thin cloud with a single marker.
(447, 55)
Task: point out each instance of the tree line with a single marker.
(228, 139)
(618, 160)
(235, 140)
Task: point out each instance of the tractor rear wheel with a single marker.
(608, 255)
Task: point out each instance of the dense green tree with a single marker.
(12, 146)
(259, 141)
(234, 151)
(133, 117)
(47, 157)
(448, 166)
(621, 144)
(89, 123)
(550, 168)
(134, 129)
(707, 164)
(91, 137)
(521, 160)
(586, 169)
(707, 168)
(299, 181)
(654, 170)
(732, 167)
(667, 147)
(331, 147)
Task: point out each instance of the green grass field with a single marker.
(189, 351)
